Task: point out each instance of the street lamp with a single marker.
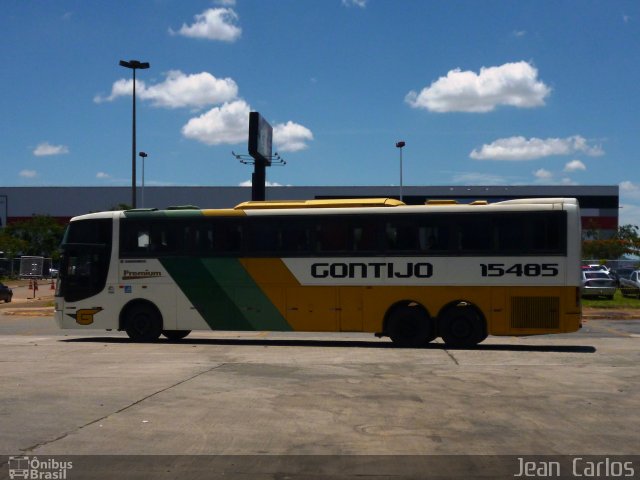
(143, 155)
(133, 65)
(399, 145)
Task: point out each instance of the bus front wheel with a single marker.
(410, 326)
(462, 326)
(143, 323)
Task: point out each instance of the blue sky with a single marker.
(482, 92)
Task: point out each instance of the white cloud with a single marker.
(629, 214)
(291, 137)
(46, 149)
(178, 90)
(355, 3)
(574, 166)
(248, 183)
(227, 124)
(212, 24)
(103, 176)
(543, 174)
(514, 84)
(28, 173)
(520, 148)
(629, 190)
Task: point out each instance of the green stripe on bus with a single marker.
(224, 294)
(254, 305)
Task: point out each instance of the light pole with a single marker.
(133, 65)
(143, 155)
(399, 145)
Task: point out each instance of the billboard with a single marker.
(260, 135)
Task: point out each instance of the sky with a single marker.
(482, 92)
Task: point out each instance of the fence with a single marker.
(615, 264)
(10, 267)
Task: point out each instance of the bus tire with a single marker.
(143, 323)
(175, 335)
(462, 326)
(410, 326)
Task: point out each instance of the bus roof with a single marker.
(337, 206)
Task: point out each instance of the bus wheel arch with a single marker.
(462, 324)
(142, 320)
(409, 324)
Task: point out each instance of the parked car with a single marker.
(597, 267)
(597, 284)
(630, 286)
(5, 293)
(621, 273)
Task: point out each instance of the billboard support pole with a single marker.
(258, 181)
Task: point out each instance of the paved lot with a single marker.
(69, 392)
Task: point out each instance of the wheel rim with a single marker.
(461, 327)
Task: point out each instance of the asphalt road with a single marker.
(299, 396)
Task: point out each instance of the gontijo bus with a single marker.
(413, 273)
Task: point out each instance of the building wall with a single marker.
(599, 204)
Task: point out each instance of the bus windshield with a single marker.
(86, 251)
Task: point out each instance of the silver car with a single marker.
(597, 284)
(630, 285)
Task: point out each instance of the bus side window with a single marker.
(332, 236)
(296, 237)
(509, 231)
(227, 237)
(364, 236)
(474, 234)
(135, 238)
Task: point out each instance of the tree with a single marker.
(625, 242)
(40, 235)
(10, 245)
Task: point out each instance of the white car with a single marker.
(598, 267)
(597, 284)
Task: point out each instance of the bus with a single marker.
(414, 273)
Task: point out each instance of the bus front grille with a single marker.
(535, 312)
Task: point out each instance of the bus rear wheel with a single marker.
(174, 335)
(462, 326)
(143, 323)
(410, 326)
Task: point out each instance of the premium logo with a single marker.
(129, 275)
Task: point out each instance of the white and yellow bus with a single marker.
(413, 273)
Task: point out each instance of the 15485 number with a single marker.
(520, 269)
